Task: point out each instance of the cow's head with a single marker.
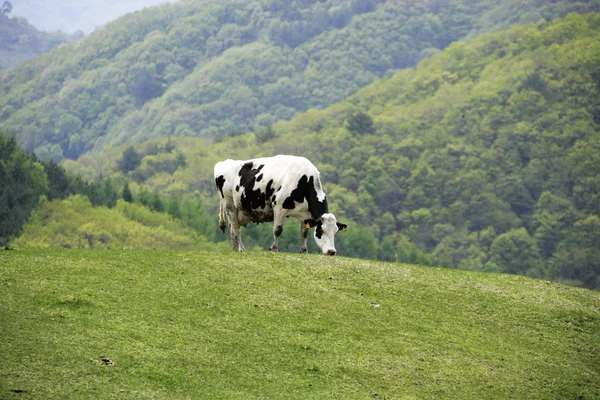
(325, 229)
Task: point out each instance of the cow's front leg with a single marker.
(236, 240)
(303, 236)
(277, 230)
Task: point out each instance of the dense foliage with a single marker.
(75, 223)
(19, 41)
(76, 213)
(22, 182)
(221, 67)
(486, 156)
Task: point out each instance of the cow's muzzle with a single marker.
(331, 252)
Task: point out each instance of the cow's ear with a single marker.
(309, 223)
(342, 227)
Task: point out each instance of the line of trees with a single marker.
(24, 180)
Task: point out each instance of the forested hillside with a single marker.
(44, 206)
(486, 156)
(19, 41)
(215, 68)
(75, 223)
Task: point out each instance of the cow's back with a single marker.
(257, 187)
(262, 182)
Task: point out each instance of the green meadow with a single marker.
(81, 324)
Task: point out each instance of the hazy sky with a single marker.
(72, 15)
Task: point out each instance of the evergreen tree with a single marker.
(130, 160)
(109, 194)
(126, 193)
(157, 203)
(58, 181)
(265, 134)
(360, 123)
(7, 7)
(22, 182)
(173, 208)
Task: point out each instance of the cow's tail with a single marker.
(222, 217)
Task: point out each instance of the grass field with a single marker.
(188, 325)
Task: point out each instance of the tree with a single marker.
(357, 242)
(194, 215)
(173, 208)
(126, 193)
(360, 123)
(157, 203)
(22, 182)
(130, 160)
(7, 8)
(144, 83)
(578, 257)
(265, 134)
(110, 194)
(145, 197)
(58, 181)
(514, 252)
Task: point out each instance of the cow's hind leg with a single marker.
(277, 230)
(222, 217)
(234, 232)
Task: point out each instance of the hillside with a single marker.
(217, 68)
(75, 223)
(485, 156)
(19, 41)
(180, 325)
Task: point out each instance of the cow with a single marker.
(270, 189)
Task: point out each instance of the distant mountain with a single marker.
(221, 68)
(72, 15)
(19, 41)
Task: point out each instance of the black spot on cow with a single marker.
(220, 181)
(237, 188)
(248, 174)
(319, 231)
(306, 190)
(269, 189)
(252, 198)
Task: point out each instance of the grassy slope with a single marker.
(184, 325)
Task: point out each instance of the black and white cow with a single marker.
(271, 189)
